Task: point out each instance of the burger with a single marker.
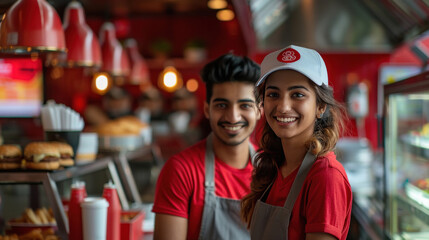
(10, 156)
(42, 156)
(66, 153)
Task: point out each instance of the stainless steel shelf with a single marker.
(49, 178)
(50, 187)
(411, 206)
(147, 153)
(129, 184)
(99, 164)
(114, 162)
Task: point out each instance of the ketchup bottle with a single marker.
(78, 193)
(113, 212)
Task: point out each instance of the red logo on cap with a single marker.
(288, 55)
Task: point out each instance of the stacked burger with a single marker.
(66, 153)
(10, 156)
(48, 155)
(37, 155)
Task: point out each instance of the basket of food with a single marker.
(40, 221)
(418, 190)
(131, 225)
(126, 133)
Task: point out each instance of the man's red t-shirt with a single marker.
(180, 185)
(324, 203)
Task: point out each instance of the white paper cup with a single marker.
(94, 218)
(88, 147)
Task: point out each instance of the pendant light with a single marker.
(139, 70)
(170, 79)
(83, 48)
(115, 60)
(31, 25)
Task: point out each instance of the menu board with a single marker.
(21, 87)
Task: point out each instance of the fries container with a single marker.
(23, 228)
(132, 229)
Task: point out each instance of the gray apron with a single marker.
(221, 216)
(272, 222)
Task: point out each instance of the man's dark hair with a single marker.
(229, 68)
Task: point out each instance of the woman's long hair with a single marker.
(327, 131)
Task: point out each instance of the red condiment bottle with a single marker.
(113, 212)
(78, 193)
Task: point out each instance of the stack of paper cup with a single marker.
(58, 117)
(61, 123)
(94, 218)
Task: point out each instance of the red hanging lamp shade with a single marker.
(115, 59)
(139, 69)
(30, 25)
(83, 48)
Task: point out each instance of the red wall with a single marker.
(219, 37)
(365, 66)
(73, 86)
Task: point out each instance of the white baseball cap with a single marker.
(303, 60)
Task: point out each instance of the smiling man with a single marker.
(199, 190)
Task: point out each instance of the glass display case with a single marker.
(406, 158)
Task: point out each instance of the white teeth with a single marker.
(232, 128)
(286, 120)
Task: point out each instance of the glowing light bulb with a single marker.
(101, 82)
(217, 4)
(225, 15)
(192, 85)
(170, 79)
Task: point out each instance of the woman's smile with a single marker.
(286, 119)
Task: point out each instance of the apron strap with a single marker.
(299, 179)
(252, 153)
(264, 195)
(209, 182)
(219, 214)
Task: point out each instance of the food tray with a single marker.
(22, 228)
(418, 195)
(415, 140)
(419, 146)
(118, 143)
(131, 228)
(125, 142)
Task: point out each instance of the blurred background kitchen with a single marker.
(108, 60)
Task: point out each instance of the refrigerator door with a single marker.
(406, 146)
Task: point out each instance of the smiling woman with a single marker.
(296, 167)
